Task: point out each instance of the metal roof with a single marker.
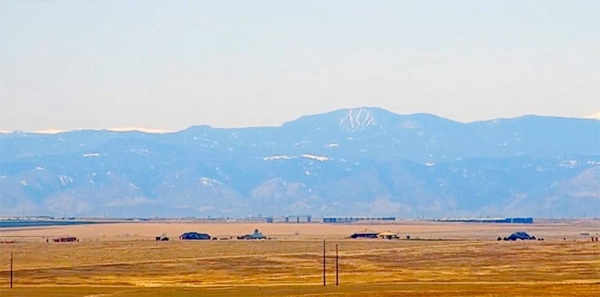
(367, 231)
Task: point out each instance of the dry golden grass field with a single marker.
(439, 260)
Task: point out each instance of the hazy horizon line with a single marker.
(158, 130)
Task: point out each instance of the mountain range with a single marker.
(359, 161)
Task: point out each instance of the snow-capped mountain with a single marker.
(595, 116)
(360, 161)
(117, 129)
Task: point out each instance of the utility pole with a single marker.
(11, 269)
(337, 266)
(324, 266)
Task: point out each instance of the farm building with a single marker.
(388, 235)
(520, 236)
(255, 235)
(365, 234)
(65, 239)
(194, 236)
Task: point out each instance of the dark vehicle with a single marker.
(194, 236)
(519, 236)
(162, 238)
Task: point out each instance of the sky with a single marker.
(174, 64)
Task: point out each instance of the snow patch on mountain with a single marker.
(64, 180)
(568, 163)
(357, 119)
(286, 157)
(50, 131)
(140, 151)
(209, 181)
(595, 116)
(410, 125)
(314, 157)
(281, 157)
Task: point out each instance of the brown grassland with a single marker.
(439, 260)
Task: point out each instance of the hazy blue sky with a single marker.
(173, 64)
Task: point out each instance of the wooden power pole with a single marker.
(337, 266)
(11, 269)
(324, 266)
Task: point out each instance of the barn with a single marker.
(255, 235)
(194, 236)
(388, 235)
(365, 234)
(520, 236)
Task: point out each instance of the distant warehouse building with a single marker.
(304, 219)
(490, 220)
(345, 220)
(290, 219)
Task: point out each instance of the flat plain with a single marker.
(440, 259)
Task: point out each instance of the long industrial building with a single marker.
(490, 220)
(356, 219)
(311, 219)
